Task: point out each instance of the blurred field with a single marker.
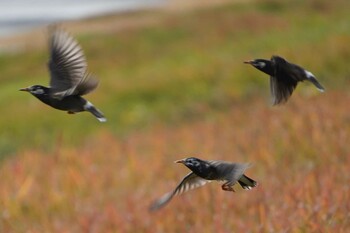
(178, 88)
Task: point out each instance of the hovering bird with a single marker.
(69, 78)
(284, 77)
(204, 172)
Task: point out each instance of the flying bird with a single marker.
(284, 77)
(69, 78)
(203, 172)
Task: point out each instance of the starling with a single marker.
(69, 78)
(284, 77)
(204, 172)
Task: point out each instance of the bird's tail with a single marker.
(316, 83)
(247, 183)
(312, 79)
(97, 113)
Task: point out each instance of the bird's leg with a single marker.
(70, 112)
(227, 187)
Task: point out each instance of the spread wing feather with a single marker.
(285, 79)
(281, 90)
(229, 172)
(189, 182)
(68, 67)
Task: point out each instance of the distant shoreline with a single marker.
(20, 17)
(35, 37)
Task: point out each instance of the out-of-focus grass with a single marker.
(300, 159)
(178, 89)
(178, 69)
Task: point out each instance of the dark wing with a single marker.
(191, 181)
(230, 172)
(281, 90)
(68, 67)
(284, 80)
(86, 85)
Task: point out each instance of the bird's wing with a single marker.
(87, 84)
(281, 90)
(67, 66)
(189, 182)
(229, 172)
(237, 171)
(284, 80)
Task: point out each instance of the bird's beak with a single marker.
(180, 161)
(25, 89)
(248, 62)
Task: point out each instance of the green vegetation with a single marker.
(174, 70)
(179, 88)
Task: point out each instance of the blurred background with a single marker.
(20, 15)
(173, 85)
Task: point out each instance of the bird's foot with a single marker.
(70, 112)
(227, 187)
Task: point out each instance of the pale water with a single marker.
(17, 16)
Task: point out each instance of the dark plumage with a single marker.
(69, 77)
(284, 77)
(206, 171)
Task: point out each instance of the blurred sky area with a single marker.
(18, 16)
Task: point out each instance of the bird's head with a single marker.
(191, 162)
(257, 63)
(262, 65)
(36, 90)
(200, 167)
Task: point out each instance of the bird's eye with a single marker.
(261, 64)
(190, 161)
(38, 91)
(194, 163)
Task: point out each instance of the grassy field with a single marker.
(179, 88)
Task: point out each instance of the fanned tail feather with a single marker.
(247, 183)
